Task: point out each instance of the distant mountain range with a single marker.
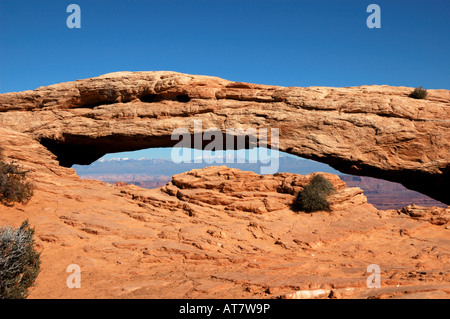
(152, 173)
(154, 167)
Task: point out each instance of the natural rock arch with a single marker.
(375, 131)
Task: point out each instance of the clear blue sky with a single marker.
(282, 42)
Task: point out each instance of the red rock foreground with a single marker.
(221, 233)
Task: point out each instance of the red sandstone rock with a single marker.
(219, 232)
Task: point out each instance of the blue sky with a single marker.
(282, 42)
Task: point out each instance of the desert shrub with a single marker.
(314, 196)
(19, 261)
(13, 184)
(419, 93)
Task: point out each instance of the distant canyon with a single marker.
(154, 173)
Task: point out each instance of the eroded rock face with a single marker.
(369, 130)
(434, 215)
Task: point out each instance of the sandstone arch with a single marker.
(375, 131)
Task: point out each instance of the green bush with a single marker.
(314, 196)
(419, 93)
(13, 184)
(19, 262)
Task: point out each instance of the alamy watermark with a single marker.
(374, 280)
(74, 280)
(255, 140)
(373, 20)
(74, 19)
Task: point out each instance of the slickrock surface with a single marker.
(375, 131)
(221, 233)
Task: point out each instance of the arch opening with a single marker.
(154, 167)
(83, 150)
